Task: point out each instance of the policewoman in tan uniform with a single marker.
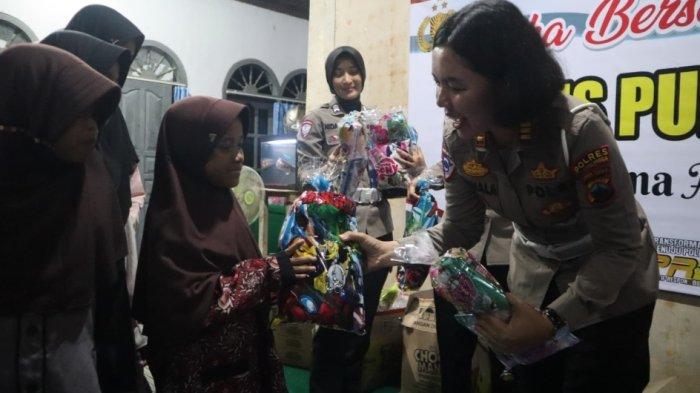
(338, 355)
(456, 342)
(582, 249)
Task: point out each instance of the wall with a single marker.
(379, 29)
(209, 36)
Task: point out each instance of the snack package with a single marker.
(352, 158)
(367, 153)
(458, 278)
(333, 295)
(420, 215)
(387, 133)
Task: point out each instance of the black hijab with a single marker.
(119, 154)
(59, 220)
(98, 54)
(194, 231)
(332, 61)
(106, 24)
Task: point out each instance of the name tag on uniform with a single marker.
(330, 126)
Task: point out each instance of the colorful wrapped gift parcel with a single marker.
(421, 214)
(461, 280)
(333, 295)
(388, 132)
(356, 174)
(369, 141)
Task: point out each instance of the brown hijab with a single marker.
(58, 218)
(194, 231)
(114, 142)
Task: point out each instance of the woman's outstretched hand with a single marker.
(377, 253)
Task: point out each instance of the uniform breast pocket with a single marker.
(488, 191)
(550, 203)
(332, 137)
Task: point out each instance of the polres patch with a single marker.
(590, 160)
(305, 127)
(448, 165)
(593, 170)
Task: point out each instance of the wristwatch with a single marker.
(557, 321)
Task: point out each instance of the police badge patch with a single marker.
(593, 170)
(448, 165)
(305, 127)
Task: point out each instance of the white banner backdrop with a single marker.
(640, 59)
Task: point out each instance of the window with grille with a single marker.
(295, 86)
(252, 82)
(13, 31)
(156, 62)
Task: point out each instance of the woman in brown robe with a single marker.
(203, 291)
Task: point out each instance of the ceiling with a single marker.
(298, 8)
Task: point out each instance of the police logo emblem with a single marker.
(448, 165)
(305, 128)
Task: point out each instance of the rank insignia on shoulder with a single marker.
(543, 173)
(474, 168)
(480, 141)
(526, 131)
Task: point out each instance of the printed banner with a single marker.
(640, 60)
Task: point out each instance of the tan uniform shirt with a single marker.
(496, 238)
(318, 137)
(572, 204)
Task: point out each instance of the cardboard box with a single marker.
(294, 343)
(382, 363)
(420, 365)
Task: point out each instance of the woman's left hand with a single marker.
(413, 161)
(303, 266)
(526, 329)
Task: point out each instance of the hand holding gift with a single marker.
(378, 254)
(421, 213)
(332, 294)
(517, 332)
(379, 153)
(412, 160)
(389, 135)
